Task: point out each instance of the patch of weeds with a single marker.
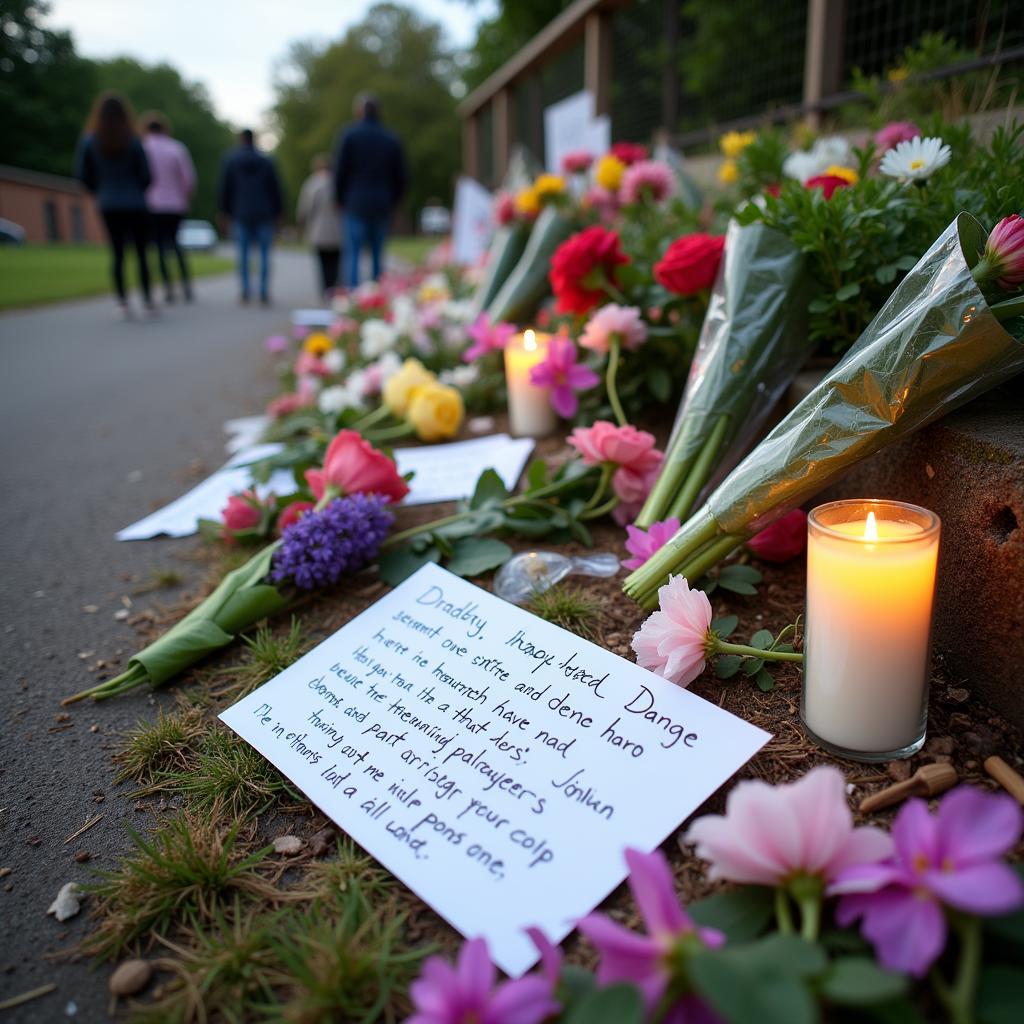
(160, 579)
(181, 874)
(267, 655)
(329, 879)
(572, 608)
(342, 961)
(161, 746)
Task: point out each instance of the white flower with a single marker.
(334, 360)
(459, 376)
(459, 311)
(309, 384)
(387, 366)
(826, 151)
(915, 159)
(333, 399)
(403, 314)
(377, 337)
(341, 303)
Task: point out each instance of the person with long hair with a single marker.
(174, 179)
(112, 165)
(317, 215)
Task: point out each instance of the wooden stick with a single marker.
(26, 997)
(85, 828)
(1009, 779)
(928, 780)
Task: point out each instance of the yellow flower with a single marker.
(897, 75)
(733, 143)
(399, 387)
(548, 185)
(318, 344)
(609, 171)
(435, 411)
(848, 174)
(728, 172)
(528, 202)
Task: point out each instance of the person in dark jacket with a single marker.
(249, 195)
(369, 180)
(112, 165)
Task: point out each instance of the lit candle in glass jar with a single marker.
(529, 407)
(870, 589)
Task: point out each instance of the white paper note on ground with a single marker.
(497, 764)
(313, 317)
(448, 472)
(244, 432)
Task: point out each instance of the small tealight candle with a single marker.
(870, 588)
(529, 407)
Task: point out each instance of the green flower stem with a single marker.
(961, 996)
(690, 539)
(703, 560)
(378, 414)
(682, 505)
(722, 647)
(783, 914)
(390, 433)
(601, 510)
(614, 352)
(810, 917)
(602, 485)
(670, 479)
(984, 271)
(134, 676)
(1008, 308)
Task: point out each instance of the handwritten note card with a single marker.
(495, 763)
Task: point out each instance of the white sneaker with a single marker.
(123, 311)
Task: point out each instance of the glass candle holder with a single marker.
(529, 407)
(870, 589)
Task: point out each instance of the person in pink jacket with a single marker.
(174, 179)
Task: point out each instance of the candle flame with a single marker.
(529, 341)
(871, 528)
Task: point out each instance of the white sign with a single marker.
(567, 128)
(313, 317)
(472, 222)
(498, 765)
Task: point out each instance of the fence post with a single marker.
(471, 145)
(597, 61)
(823, 57)
(502, 132)
(670, 79)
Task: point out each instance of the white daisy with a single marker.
(826, 151)
(334, 360)
(459, 376)
(334, 399)
(915, 159)
(377, 337)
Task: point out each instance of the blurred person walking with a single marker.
(111, 163)
(317, 215)
(174, 180)
(249, 196)
(369, 181)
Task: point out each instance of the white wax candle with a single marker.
(870, 586)
(529, 407)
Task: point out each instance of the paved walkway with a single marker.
(100, 422)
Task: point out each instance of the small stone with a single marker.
(939, 745)
(970, 765)
(4, 872)
(898, 770)
(67, 903)
(71, 1009)
(958, 695)
(82, 856)
(90, 609)
(86, 655)
(959, 721)
(130, 977)
(94, 728)
(288, 845)
(121, 614)
(929, 471)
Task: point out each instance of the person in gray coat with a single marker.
(317, 215)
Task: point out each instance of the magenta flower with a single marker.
(467, 994)
(505, 208)
(276, 343)
(648, 179)
(647, 961)
(642, 544)
(894, 133)
(487, 337)
(673, 641)
(577, 162)
(610, 321)
(563, 376)
(782, 540)
(951, 859)
(1004, 252)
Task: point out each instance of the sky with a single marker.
(231, 46)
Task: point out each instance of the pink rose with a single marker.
(242, 512)
(625, 321)
(577, 162)
(309, 365)
(353, 466)
(784, 539)
(291, 513)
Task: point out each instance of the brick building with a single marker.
(50, 208)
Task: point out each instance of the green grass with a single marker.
(569, 607)
(413, 249)
(31, 275)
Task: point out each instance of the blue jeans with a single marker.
(247, 235)
(359, 232)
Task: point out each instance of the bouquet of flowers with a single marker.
(938, 342)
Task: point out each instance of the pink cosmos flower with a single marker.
(1004, 250)
(625, 321)
(894, 133)
(505, 208)
(951, 859)
(603, 201)
(642, 544)
(771, 835)
(467, 994)
(673, 641)
(646, 961)
(242, 512)
(309, 365)
(487, 337)
(648, 179)
(782, 540)
(276, 343)
(563, 376)
(577, 162)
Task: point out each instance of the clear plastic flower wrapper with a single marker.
(753, 342)
(935, 345)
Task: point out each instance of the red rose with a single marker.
(242, 512)
(354, 466)
(291, 513)
(690, 263)
(773, 189)
(828, 183)
(629, 152)
(580, 267)
(784, 539)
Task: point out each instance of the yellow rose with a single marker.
(318, 344)
(898, 75)
(733, 143)
(609, 171)
(548, 185)
(399, 387)
(848, 174)
(435, 411)
(728, 172)
(528, 202)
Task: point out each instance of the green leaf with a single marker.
(751, 666)
(765, 680)
(999, 994)
(725, 625)
(481, 522)
(743, 914)
(743, 573)
(616, 1004)
(819, 305)
(536, 474)
(737, 586)
(848, 291)
(762, 639)
(490, 490)
(398, 564)
(660, 383)
(727, 665)
(909, 262)
(886, 273)
(859, 981)
(475, 555)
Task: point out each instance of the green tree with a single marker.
(403, 58)
(189, 109)
(45, 90)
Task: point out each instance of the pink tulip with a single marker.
(642, 545)
(610, 321)
(674, 641)
(1004, 252)
(354, 466)
(242, 512)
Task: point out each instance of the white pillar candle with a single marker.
(529, 407)
(870, 588)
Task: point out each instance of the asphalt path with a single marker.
(100, 422)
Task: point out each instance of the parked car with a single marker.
(11, 233)
(197, 234)
(435, 219)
